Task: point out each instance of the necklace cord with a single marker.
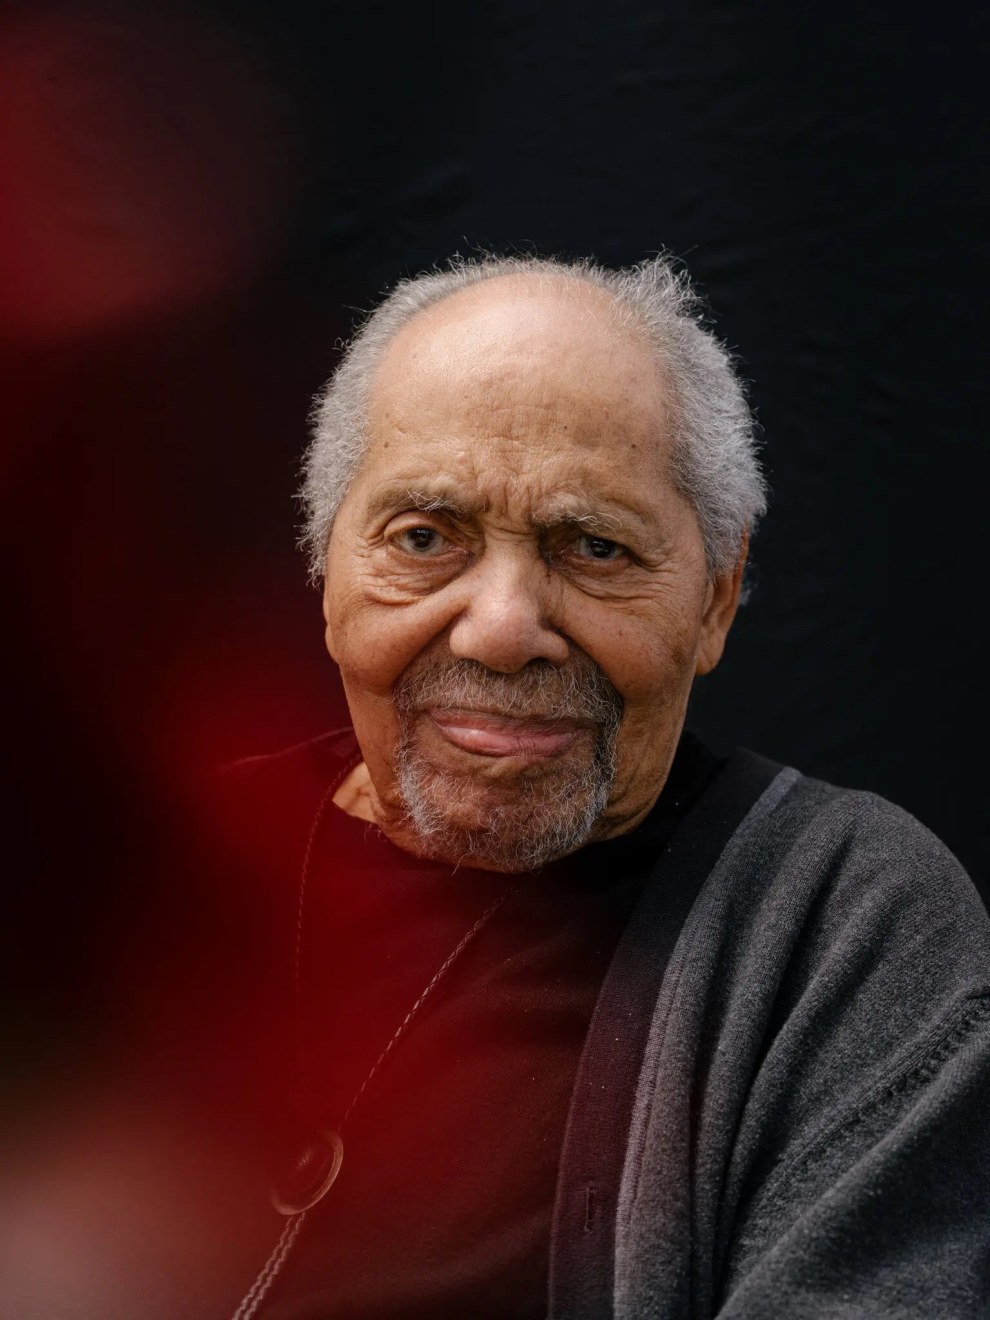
(272, 1267)
(270, 1270)
(302, 1054)
(437, 977)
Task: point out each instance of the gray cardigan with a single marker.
(783, 1105)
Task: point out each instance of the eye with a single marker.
(420, 541)
(597, 547)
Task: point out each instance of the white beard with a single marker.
(523, 823)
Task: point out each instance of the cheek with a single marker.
(647, 658)
(375, 643)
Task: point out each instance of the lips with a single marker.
(486, 734)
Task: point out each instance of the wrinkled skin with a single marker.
(537, 428)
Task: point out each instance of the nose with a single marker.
(505, 622)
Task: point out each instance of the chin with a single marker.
(505, 822)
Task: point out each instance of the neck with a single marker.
(354, 794)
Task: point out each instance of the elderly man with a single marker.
(590, 1021)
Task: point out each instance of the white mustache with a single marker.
(540, 691)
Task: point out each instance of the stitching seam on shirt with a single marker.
(804, 1162)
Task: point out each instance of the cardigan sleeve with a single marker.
(887, 1212)
(867, 1192)
(811, 1132)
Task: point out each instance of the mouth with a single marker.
(488, 734)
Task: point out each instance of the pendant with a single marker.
(314, 1171)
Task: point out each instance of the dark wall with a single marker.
(201, 198)
(823, 171)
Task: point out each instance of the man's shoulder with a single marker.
(836, 825)
(266, 803)
(315, 760)
(852, 831)
(847, 871)
(812, 823)
(824, 890)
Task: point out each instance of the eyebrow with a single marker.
(595, 521)
(441, 499)
(567, 512)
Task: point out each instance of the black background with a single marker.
(823, 173)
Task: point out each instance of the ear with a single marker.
(722, 603)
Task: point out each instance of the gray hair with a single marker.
(715, 462)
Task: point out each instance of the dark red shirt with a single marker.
(444, 1201)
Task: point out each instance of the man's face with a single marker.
(517, 594)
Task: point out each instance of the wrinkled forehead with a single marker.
(511, 351)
